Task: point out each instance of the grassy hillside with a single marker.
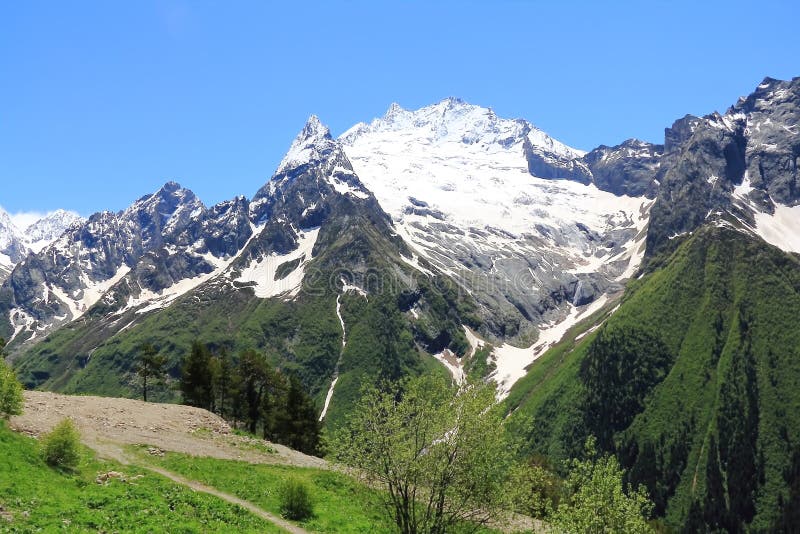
(35, 497)
(692, 382)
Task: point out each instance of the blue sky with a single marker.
(101, 103)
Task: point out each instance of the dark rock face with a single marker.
(757, 140)
(773, 138)
(227, 227)
(550, 165)
(156, 242)
(626, 169)
(698, 178)
(306, 192)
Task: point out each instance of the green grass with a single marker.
(41, 498)
(341, 504)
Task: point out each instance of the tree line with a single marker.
(244, 389)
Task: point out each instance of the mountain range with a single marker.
(448, 235)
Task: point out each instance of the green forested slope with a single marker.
(694, 382)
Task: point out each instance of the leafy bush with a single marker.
(61, 447)
(598, 501)
(10, 392)
(296, 501)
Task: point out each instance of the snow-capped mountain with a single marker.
(158, 248)
(529, 234)
(49, 228)
(503, 208)
(12, 244)
(456, 182)
(16, 243)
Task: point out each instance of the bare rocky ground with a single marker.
(108, 425)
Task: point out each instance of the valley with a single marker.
(635, 303)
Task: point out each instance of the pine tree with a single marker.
(274, 412)
(150, 365)
(302, 431)
(253, 368)
(223, 381)
(196, 379)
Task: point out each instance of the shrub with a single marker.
(296, 501)
(10, 392)
(61, 447)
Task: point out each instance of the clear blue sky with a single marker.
(102, 102)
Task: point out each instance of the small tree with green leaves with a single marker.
(151, 365)
(61, 447)
(597, 500)
(442, 455)
(535, 490)
(11, 400)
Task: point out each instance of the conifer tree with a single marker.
(150, 365)
(196, 379)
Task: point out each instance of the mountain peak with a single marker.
(314, 129)
(451, 120)
(49, 228)
(453, 102)
(394, 110)
(304, 147)
(170, 186)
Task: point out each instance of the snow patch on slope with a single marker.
(453, 364)
(151, 300)
(329, 396)
(261, 272)
(345, 288)
(512, 362)
(89, 295)
(782, 228)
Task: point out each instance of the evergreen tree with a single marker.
(150, 365)
(302, 431)
(223, 381)
(196, 378)
(274, 414)
(789, 507)
(253, 369)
